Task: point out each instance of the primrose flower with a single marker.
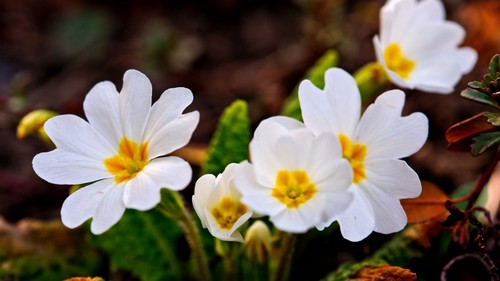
(118, 151)
(300, 180)
(373, 145)
(217, 203)
(418, 48)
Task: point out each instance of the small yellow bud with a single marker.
(258, 242)
(32, 123)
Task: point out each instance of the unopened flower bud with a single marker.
(32, 123)
(258, 242)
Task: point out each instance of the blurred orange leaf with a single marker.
(459, 136)
(428, 206)
(385, 272)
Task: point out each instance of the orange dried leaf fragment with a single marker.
(428, 206)
(386, 273)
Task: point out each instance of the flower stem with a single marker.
(482, 182)
(173, 206)
(288, 246)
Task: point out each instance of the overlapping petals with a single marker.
(374, 142)
(118, 150)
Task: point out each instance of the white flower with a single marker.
(117, 151)
(217, 203)
(298, 179)
(418, 48)
(372, 145)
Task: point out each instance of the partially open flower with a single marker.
(258, 242)
(297, 178)
(373, 145)
(118, 151)
(419, 49)
(217, 203)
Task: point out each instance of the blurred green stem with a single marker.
(287, 246)
(371, 78)
(172, 206)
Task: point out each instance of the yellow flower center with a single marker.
(293, 188)
(397, 62)
(355, 153)
(228, 211)
(129, 161)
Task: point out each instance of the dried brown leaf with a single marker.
(386, 273)
(428, 206)
(459, 136)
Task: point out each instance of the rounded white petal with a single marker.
(467, 58)
(265, 163)
(389, 214)
(173, 135)
(82, 204)
(135, 104)
(202, 190)
(63, 167)
(336, 109)
(109, 211)
(438, 76)
(72, 133)
(358, 220)
(141, 193)
(301, 219)
(170, 172)
(394, 177)
(336, 204)
(101, 106)
(324, 158)
(392, 75)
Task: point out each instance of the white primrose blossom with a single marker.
(300, 180)
(217, 204)
(418, 47)
(373, 145)
(118, 151)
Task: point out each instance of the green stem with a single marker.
(288, 246)
(481, 183)
(371, 78)
(174, 207)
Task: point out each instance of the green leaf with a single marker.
(484, 141)
(230, 141)
(371, 78)
(494, 67)
(316, 74)
(144, 244)
(493, 118)
(479, 97)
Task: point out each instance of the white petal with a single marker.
(101, 106)
(109, 211)
(394, 177)
(271, 129)
(135, 104)
(202, 189)
(467, 58)
(430, 10)
(392, 75)
(335, 205)
(73, 134)
(358, 220)
(141, 193)
(63, 167)
(82, 204)
(265, 163)
(323, 158)
(257, 197)
(389, 214)
(402, 20)
(404, 137)
(173, 135)
(437, 76)
(169, 172)
(301, 219)
(338, 110)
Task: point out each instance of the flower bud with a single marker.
(32, 123)
(258, 242)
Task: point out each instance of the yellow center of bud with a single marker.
(355, 153)
(228, 211)
(129, 161)
(293, 188)
(396, 62)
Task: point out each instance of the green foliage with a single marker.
(371, 78)
(230, 141)
(493, 118)
(316, 74)
(466, 189)
(484, 141)
(144, 244)
(479, 97)
(487, 91)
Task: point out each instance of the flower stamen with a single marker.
(396, 62)
(355, 154)
(293, 188)
(228, 211)
(129, 161)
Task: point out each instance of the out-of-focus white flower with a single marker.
(118, 151)
(372, 144)
(258, 242)
(419, 49)
(217, 203)
(298, 179)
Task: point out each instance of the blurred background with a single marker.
(52, 52)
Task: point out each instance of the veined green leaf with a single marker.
(493, 118)
(230, 141)
(484, 141)
(479, 97)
